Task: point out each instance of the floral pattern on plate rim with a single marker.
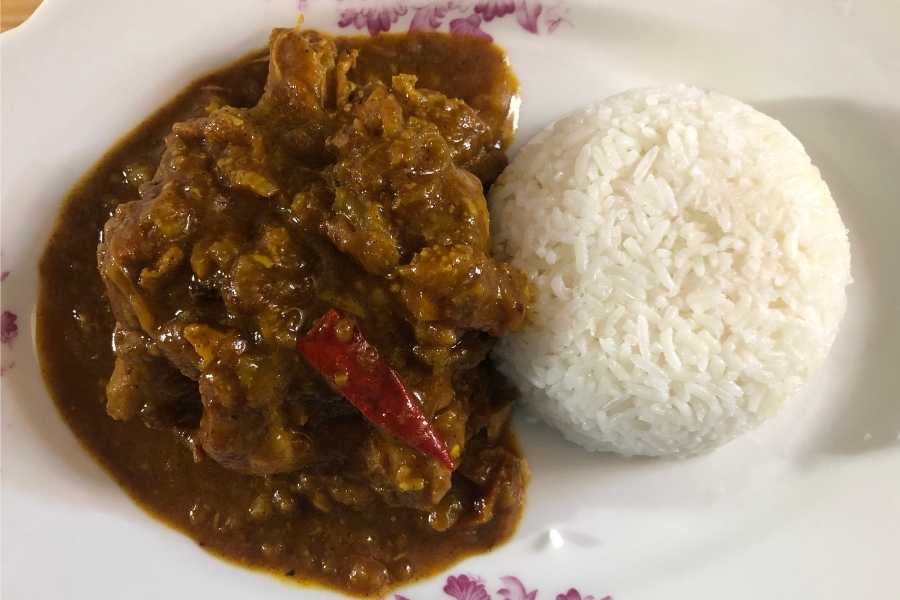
(471, 587)
(9, 329)
(460, 16)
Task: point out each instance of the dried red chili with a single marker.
(336, 348)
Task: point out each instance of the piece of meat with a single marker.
(397, 188)
(244, 437)
(165, 267)
(473, 145)
(244, 425)
(502, 477)
(361, 229)
(123, 243)
(301, 69)
(462, 287)
(451, 210)
(146, 385)
(402, 476)
(234, 140)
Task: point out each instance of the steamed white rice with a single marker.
(689, 265)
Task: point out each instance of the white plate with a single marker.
(808, 507)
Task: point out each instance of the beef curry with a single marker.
(269, 311)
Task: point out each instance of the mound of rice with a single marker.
(689, 266)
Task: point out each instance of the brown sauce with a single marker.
(343, 504)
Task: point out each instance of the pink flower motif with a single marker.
(375, 18)
(492, 9)
(515, 590)
(556, 15)
(430, 17)
(470, 25)
(574, 594)
(527, 13)
(399, 597)
(8, 328)
(463, 587)
(4, 275)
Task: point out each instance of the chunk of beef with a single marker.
(301, 66)
(362, 230)
(243, 436)
(474, 146)
(397, 188)
(501, 477)
(244, 424)
(146, 385)
(403, 476)
(463, 288)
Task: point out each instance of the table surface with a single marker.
(13, 12)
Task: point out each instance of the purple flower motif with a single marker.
(8, 328)
(471, 587)
(574, 594)
(463, 587)
(556, 15)
(492, 9)
(527, 13)
(375, 18)
(470, 25)
(515, 590)
(430, 17)
(465, 16)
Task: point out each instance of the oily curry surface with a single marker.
(324, 176)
